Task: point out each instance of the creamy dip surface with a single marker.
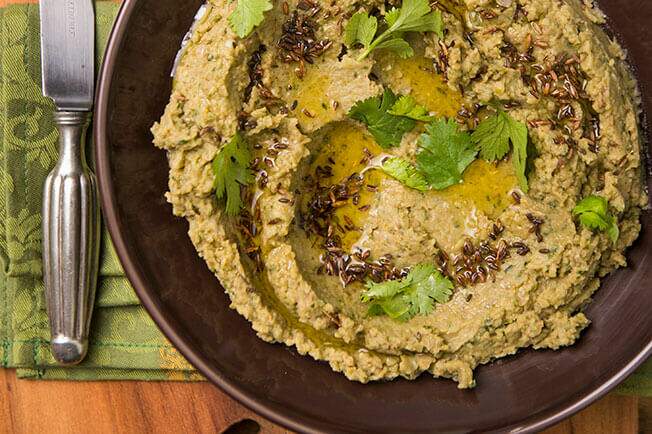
(321, 222)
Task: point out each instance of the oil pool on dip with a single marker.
(486, 185)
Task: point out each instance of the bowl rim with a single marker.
(296, 422)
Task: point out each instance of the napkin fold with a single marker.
(124, 342)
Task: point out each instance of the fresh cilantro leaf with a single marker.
(444, 154)
(361, 29)
(412, 16)
(438, 24)
(375, 310)
(593, 221)
(384, 290)
(391, 17)
(231, 170)
(415, 294)
(404, 172)
(397, 307)
(399, 46)
(493, 137)
(613, 231)
(593, 213)
(387, 129)
(247, 15)
(593, 203)
(408, 107)
(429, 285)
(519, 157)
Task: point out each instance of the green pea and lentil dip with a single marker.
(320, 225)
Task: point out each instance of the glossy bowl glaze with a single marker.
(523, 393)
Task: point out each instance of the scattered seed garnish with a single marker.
(521, 248)
(255, 70)
(517, 197)
(536, 222)
(299, 43)
(561, 79)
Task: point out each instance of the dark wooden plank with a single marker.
(128, 407)
(59, 407)
(613, 414)
(645, 415)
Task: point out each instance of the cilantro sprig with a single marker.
(231, 170)
(412, 16)
(247, 15)
(408, 107)
(444, 151)
(593, 213)
(444, 154)
(493, 137)
(405, 172)
(386, 128)
(415, 294)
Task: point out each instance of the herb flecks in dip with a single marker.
(412, 188)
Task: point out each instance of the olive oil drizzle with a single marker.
(320, 338)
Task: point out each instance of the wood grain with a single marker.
(66, 407)
(645, 415)
(613, 414)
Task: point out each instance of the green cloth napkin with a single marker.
(125, 343)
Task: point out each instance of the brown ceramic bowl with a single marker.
(523, 393)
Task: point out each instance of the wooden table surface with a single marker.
(54, 407)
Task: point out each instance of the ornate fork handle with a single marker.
(71, 240)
